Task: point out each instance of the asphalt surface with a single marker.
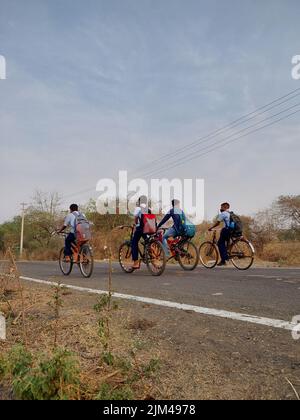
(266, 292)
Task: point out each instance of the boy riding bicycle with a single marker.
(224, 217)
(176, 230)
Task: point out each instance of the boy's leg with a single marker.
(68, 244)
(135, 244)
(170, 233)
(222, 244)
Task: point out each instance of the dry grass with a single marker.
(198, 359)
(76, 332)
(283, 253)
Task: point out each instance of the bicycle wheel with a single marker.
(242, 254)
(209, 254)
(65, 267)
(155, 258)
(86, 261)
(125, 258)
(188, 256)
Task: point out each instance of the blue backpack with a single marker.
(188, 228)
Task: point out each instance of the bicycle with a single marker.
(82, 256)
(184, 251)
(151, 253)
(240, 251)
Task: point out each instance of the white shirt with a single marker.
(225, 217)
(138, 213)
(70, 220)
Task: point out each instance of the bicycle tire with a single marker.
(155, 249)
(212, 253)
(126, 246)
(86, 268)
(181, 257)
(68, 271)
(237, 256)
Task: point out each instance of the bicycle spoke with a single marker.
(241, 254)
(208, 254)
(125, 257)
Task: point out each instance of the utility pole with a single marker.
(23, 205)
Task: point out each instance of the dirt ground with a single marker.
(200, 357)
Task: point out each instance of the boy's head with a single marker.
(225, 207)
(143, 200)
(175, 203)
(73, 207)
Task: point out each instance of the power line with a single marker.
(224, 139)
(242, 120)
(230, 141)
(226, 128)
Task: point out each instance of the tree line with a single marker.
(278, 224)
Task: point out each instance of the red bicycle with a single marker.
(182, 250)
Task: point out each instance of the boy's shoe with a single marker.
(222, 264)
(136, 266)
(67, 259)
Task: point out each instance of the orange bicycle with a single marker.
(82, 256)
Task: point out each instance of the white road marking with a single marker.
(274, 323)
(263, 276)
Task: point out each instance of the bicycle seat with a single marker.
(237, 236)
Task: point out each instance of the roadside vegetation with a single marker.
(275, 231)
(60, 349)
(63, 344)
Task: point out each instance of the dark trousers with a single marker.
(223, 243)
(70, 239)
(135, 243)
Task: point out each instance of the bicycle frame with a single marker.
(76, 248)
(229, 243)
(175, 243)
(146, 240)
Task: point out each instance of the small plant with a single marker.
(104, 308)
(41, 377)
(109, 393)
(152, 367)
(56, 304)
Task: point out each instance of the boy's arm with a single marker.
(215, 225)
(164, 220)
(218, 222)
(65, 225)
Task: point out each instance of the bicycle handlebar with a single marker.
(65, 234)
(162, 228)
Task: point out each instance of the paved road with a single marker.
(272, 293)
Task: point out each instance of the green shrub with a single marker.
(47, 378)
(107, 392)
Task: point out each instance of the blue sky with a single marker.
(96, 86)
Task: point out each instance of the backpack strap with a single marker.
(76, 217)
